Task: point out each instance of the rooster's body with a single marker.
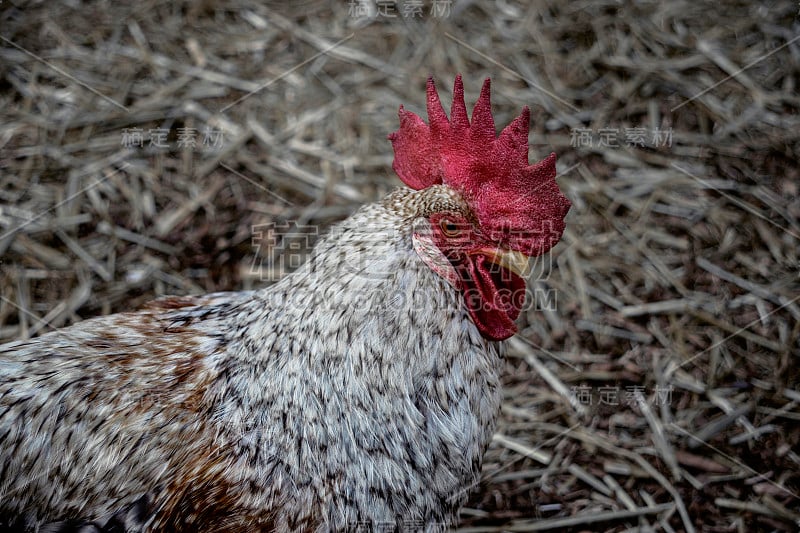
(359, 391)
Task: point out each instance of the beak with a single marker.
(512, 260)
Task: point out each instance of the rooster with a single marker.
(358, 392)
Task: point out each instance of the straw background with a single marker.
(658, 386)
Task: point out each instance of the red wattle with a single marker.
(493, 295)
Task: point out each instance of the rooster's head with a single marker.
(507, 209)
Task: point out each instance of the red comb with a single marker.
(516, 203)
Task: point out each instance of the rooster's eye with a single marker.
(449, 227)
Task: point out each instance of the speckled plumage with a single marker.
(358, 393)
(287, 408)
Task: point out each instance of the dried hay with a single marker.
(144, 147)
